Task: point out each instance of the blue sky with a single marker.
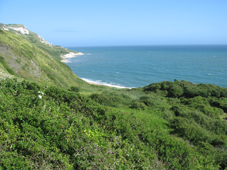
(120, 22)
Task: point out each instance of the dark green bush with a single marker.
(113, 99)
(137, 105)
(175, 91)
(74, 88)
(189, 130)
(187, 89)
(101, 98)
(148, 101)
(176, 153)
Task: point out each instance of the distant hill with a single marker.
(24, 54)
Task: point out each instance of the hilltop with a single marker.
(19, 29)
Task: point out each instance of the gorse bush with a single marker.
(74, 88)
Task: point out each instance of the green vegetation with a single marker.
(51, 119)
(51, 128)
(26, 60)
(54, 51)
(6, 66)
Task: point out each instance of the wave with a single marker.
(99, 82)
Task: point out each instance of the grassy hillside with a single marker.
(21, 58)
(54, 51)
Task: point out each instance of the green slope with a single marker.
(54, 51)
(24, 59)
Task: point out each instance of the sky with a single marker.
(75, 23)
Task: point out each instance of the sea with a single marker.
(139, 66)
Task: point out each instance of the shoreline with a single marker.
(70, 55)
(108, 85)
(74, 54)
(105, 84)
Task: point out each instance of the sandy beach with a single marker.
(118, 87)
(104, 84)
(70, 55)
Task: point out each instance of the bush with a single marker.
(113, 99)
(137, 105)
(189, 130)
(187, 89)
(74, 89)
(176, 153)
(100, 98)
(175, 91)
(148, 101)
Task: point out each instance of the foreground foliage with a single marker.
(50, 128)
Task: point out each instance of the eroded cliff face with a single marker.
(22, 30)
(16, 28)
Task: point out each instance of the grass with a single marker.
(223, 116)
(150, 118)
(47, 70)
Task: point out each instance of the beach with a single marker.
(104, 84)
(70, 55)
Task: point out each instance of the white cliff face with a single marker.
(20, 29)
(5, 28)
(69, 55)
(44, 41)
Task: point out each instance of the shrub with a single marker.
(175, 91)
(74, 89)
(137, 105)
(101, 98)
(189, 130)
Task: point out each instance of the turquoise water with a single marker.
(138, 66)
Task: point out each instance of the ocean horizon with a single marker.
(138, 66)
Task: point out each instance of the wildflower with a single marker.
(40, 92)
(39, 96)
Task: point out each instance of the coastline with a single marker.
(104, 84)
(70, 55)
(74, 54)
